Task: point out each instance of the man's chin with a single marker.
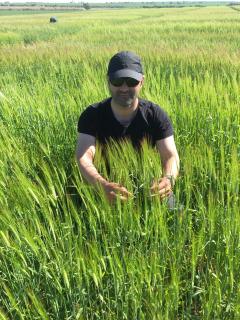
(125, 103)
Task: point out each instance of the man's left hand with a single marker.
(162, 188)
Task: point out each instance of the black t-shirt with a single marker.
(150, 122)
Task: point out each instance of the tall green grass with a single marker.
(64, 252)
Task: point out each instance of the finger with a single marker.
(115, 195)
(126, 193)
(123, 191)
(165, 195)
(111, 196)
(164, 183)
(122, 198)
(161, 190)
(161, 197)
(165, 190)
(160, 185)
(162, 193)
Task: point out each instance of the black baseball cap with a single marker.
(125, 64)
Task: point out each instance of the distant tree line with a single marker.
(88, 6)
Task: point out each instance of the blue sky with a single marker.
(104, 1)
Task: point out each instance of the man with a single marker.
(125, 115)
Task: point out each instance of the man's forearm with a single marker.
(90, 173)
(111, 190)
(171, 167)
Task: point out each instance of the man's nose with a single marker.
(124, 86)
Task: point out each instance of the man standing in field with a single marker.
(125, 115)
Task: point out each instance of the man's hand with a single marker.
(114, 191)
(162, 188)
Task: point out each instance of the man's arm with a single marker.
(85, 152)
(170, 166)
(169, 156)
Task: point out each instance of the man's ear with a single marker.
(142, 81)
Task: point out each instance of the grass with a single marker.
(64, 252)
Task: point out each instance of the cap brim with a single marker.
(126, 73)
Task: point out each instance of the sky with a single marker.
(105, 1)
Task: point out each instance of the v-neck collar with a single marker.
(138, 111)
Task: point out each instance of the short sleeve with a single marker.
(87, 122)
(162, 126)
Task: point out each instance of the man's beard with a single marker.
(124, 100)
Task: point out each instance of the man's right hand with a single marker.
(114, 191)
(85, 151)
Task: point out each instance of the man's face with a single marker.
(125, 94)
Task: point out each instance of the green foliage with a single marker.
(64, 252)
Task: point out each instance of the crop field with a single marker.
(65, 253)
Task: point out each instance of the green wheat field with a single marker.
(65, 254)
